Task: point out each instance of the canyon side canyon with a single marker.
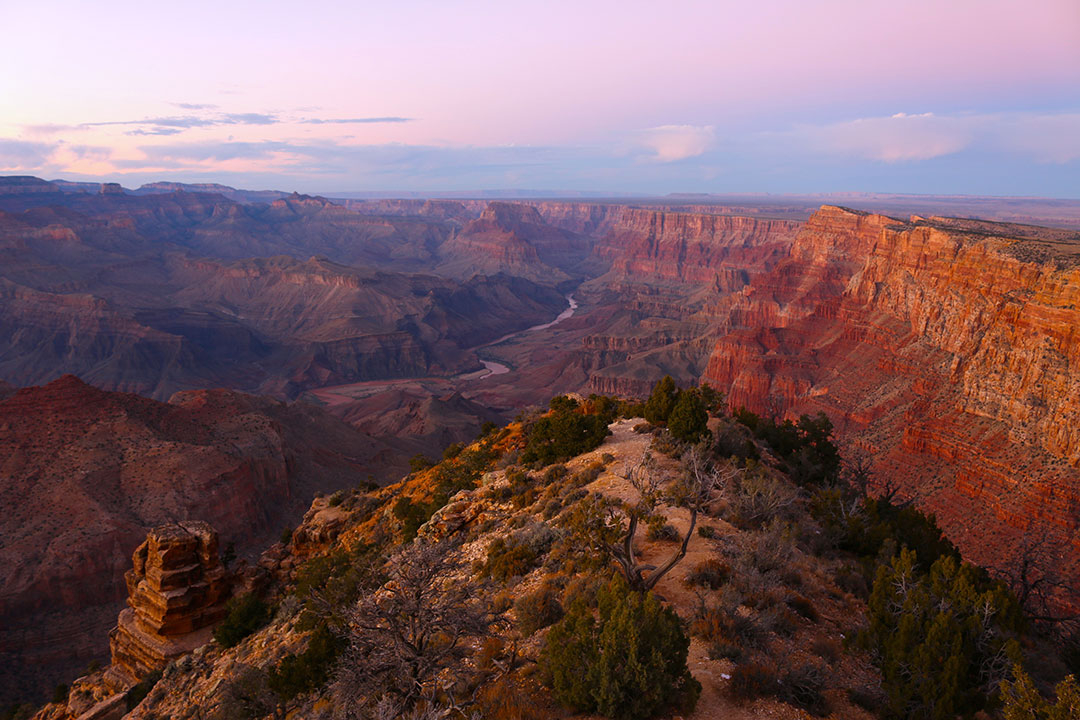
(197, 353)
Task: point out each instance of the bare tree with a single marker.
(693, 491)
(409, 637)
(1036, 575)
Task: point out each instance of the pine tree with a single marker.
(1023, 702)
(936, 635)
(689, 420)
(662, 401)
(628, 663)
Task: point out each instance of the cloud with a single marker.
(49, 129)
(897, 138)
(186, 122)
(175, 124)
(24, 154)
(911, 138)
(669, 143)
(248, 119)
(351, 121)
(156, 130)
(194, 106)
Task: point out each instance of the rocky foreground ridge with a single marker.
(212, 681)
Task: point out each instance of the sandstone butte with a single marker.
(177, 589)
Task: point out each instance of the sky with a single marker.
(760, 96)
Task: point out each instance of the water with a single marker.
(497, 368)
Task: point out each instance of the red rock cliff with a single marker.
(944, 350)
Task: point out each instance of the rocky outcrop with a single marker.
(177, 590)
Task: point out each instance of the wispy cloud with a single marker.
(354, 121)
(898, 138)
(176, 124)
(186, 122)
(909, 138)
(668, 143)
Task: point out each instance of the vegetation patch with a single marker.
(246, 614)
(627, 662)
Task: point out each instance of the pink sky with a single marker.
(607, 95)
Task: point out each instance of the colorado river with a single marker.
(497, 368)
(344, 393)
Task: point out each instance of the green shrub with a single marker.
(806, 447)
(508, 559)
(60, 694)
(551, 508)
(309, 670)
(420, 462)
(628, 662)
(412, 515)
(660, 529)
(1023, 702)
(631, 409)
(537, 609)
(246, 614)
(583, 589)
(935, 635)
(706, 531)
(562, 434)
(517, 554)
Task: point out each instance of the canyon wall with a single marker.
(944, 351)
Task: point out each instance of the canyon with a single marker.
(942, 349)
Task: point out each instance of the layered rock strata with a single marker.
(177, 590)
(944, 350)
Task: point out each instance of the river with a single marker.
(497, 368)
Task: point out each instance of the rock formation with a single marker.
(177, 590)
(176, 593)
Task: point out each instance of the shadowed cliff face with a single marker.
(85, 472)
